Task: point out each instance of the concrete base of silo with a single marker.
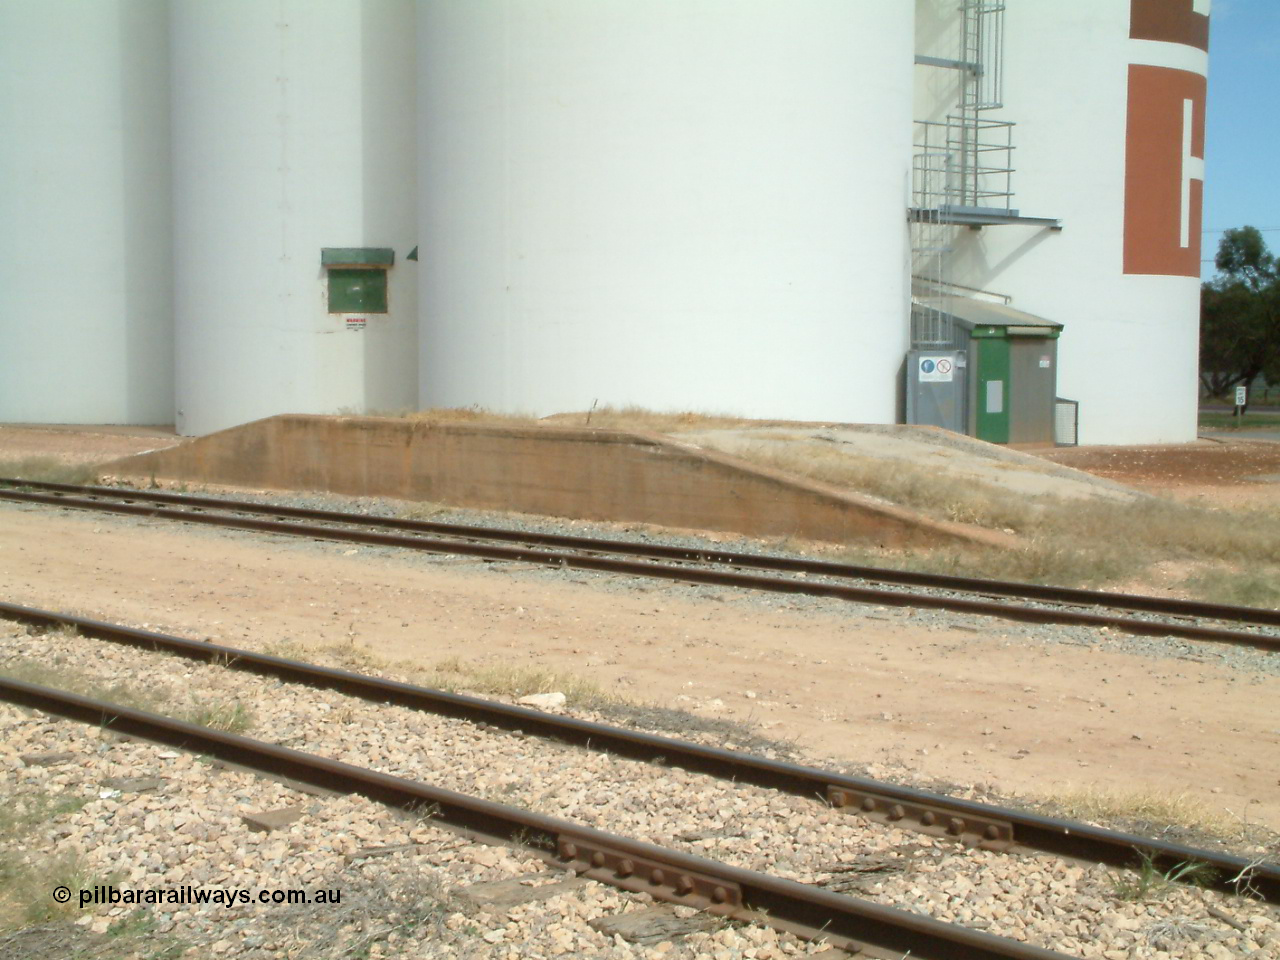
(577, 473)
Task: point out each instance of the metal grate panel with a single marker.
(1066, 423)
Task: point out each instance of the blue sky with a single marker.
(1242, 138)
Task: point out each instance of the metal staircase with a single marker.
(961, 171)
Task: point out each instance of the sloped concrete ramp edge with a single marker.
(569, 472)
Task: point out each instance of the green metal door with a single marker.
(992, 376)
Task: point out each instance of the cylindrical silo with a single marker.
(85, 295)
(1108, 97)
(293, 135)
(692, 204)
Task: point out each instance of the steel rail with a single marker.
(629, 864)
(676, 572)
(976, 824)
(656, 551)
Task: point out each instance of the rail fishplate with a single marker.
(661, 880)
(972, 830)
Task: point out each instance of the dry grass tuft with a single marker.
(26, 877)
(232, 717)
(376, 915)
(455, 674)
(1153, 808)
(467, 415)
(1037, 560)
(1255, 587)
(960, 499)
(609, 417)
(654, 421)
(427, 510)
(61, 677)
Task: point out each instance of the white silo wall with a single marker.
(85, 296)
(1129, 349)
(662, 202)
(293, 132)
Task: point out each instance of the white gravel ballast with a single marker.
(148, 817)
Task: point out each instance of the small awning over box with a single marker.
(974, 314)
(986, 318)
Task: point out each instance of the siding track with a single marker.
(1153, 616)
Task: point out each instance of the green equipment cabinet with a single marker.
(1004, 386)
(1013, 381)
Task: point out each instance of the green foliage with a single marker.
(1229, 421)
(1147, 881)
(1240, 314)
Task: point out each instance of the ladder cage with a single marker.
(964, 163)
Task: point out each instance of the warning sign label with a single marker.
(936, 370)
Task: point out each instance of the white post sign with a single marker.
(1242, 395)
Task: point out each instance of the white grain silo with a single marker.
(675, 203)
(85, 292)
(293, 135)
(1108, 101)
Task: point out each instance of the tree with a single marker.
(1240, 314)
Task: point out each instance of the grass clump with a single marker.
(48, 470)
(515, 682)
(1096, 543)
(1151, 810)
(1036, 560)
(26, 886)
(76, 681)
(232, 717)
(1256, 587)
(376, 916)
(1149, 882)
(426, 510)
(26, 881)
(456, 674)
(474, 414)
(631, 417)
(1071, 542)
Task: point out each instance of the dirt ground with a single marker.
(951, 704)
(990, 707)
(1235, 472)
(73, 444)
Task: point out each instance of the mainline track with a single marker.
(665, 874)
(977, 824)
(719, 568)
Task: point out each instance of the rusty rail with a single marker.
(657, 551)
(976, 824)
(101, 499)
(665, 874)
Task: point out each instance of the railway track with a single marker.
(849, 923)
(1033, 603)
(974, 824)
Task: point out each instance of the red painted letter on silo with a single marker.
(1173, 21)
(1164, 171)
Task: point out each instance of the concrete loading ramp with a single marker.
(579, 473)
